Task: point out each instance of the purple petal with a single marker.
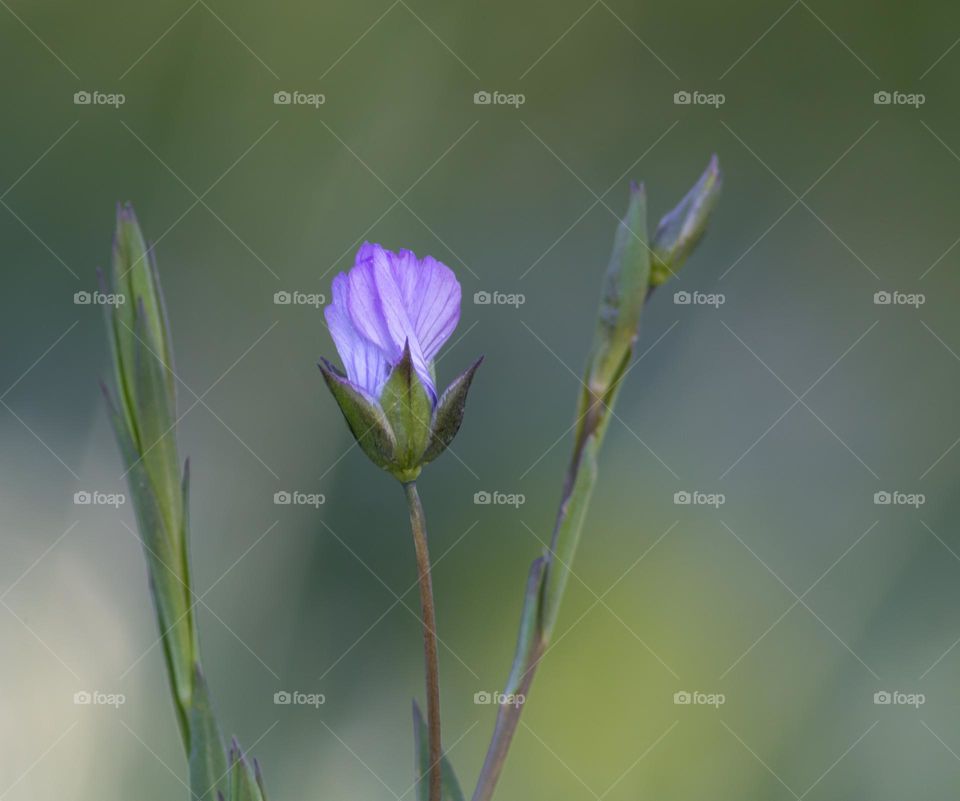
(366, 364)
(432, 299)
(394, 299)
(365, 309)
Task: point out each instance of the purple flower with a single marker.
(386, 302)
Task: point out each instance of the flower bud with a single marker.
(389, 316)
(681, 229)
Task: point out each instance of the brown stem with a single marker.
(419, 526)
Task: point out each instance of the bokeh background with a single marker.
(798, 398)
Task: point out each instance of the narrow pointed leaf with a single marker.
(529, 628)
(134, 275)
(573, 510)
(156, 421)
(174, 618)
(208, 760)
(449, 413)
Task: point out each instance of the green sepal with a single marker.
(208, 760)
(450, 787)
(409, 407)
(449, 413)
(681, 229)
(364, 416)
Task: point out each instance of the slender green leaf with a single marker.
(573, 510)
(208, 759)
(529, 634)
(170, 596)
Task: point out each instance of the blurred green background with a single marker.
(798, 398)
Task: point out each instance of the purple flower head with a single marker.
(386, 302)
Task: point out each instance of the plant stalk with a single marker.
(418, 525)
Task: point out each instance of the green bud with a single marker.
(624, 292)
(681, 230)
(404, 429)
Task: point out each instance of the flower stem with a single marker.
(419, 526)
